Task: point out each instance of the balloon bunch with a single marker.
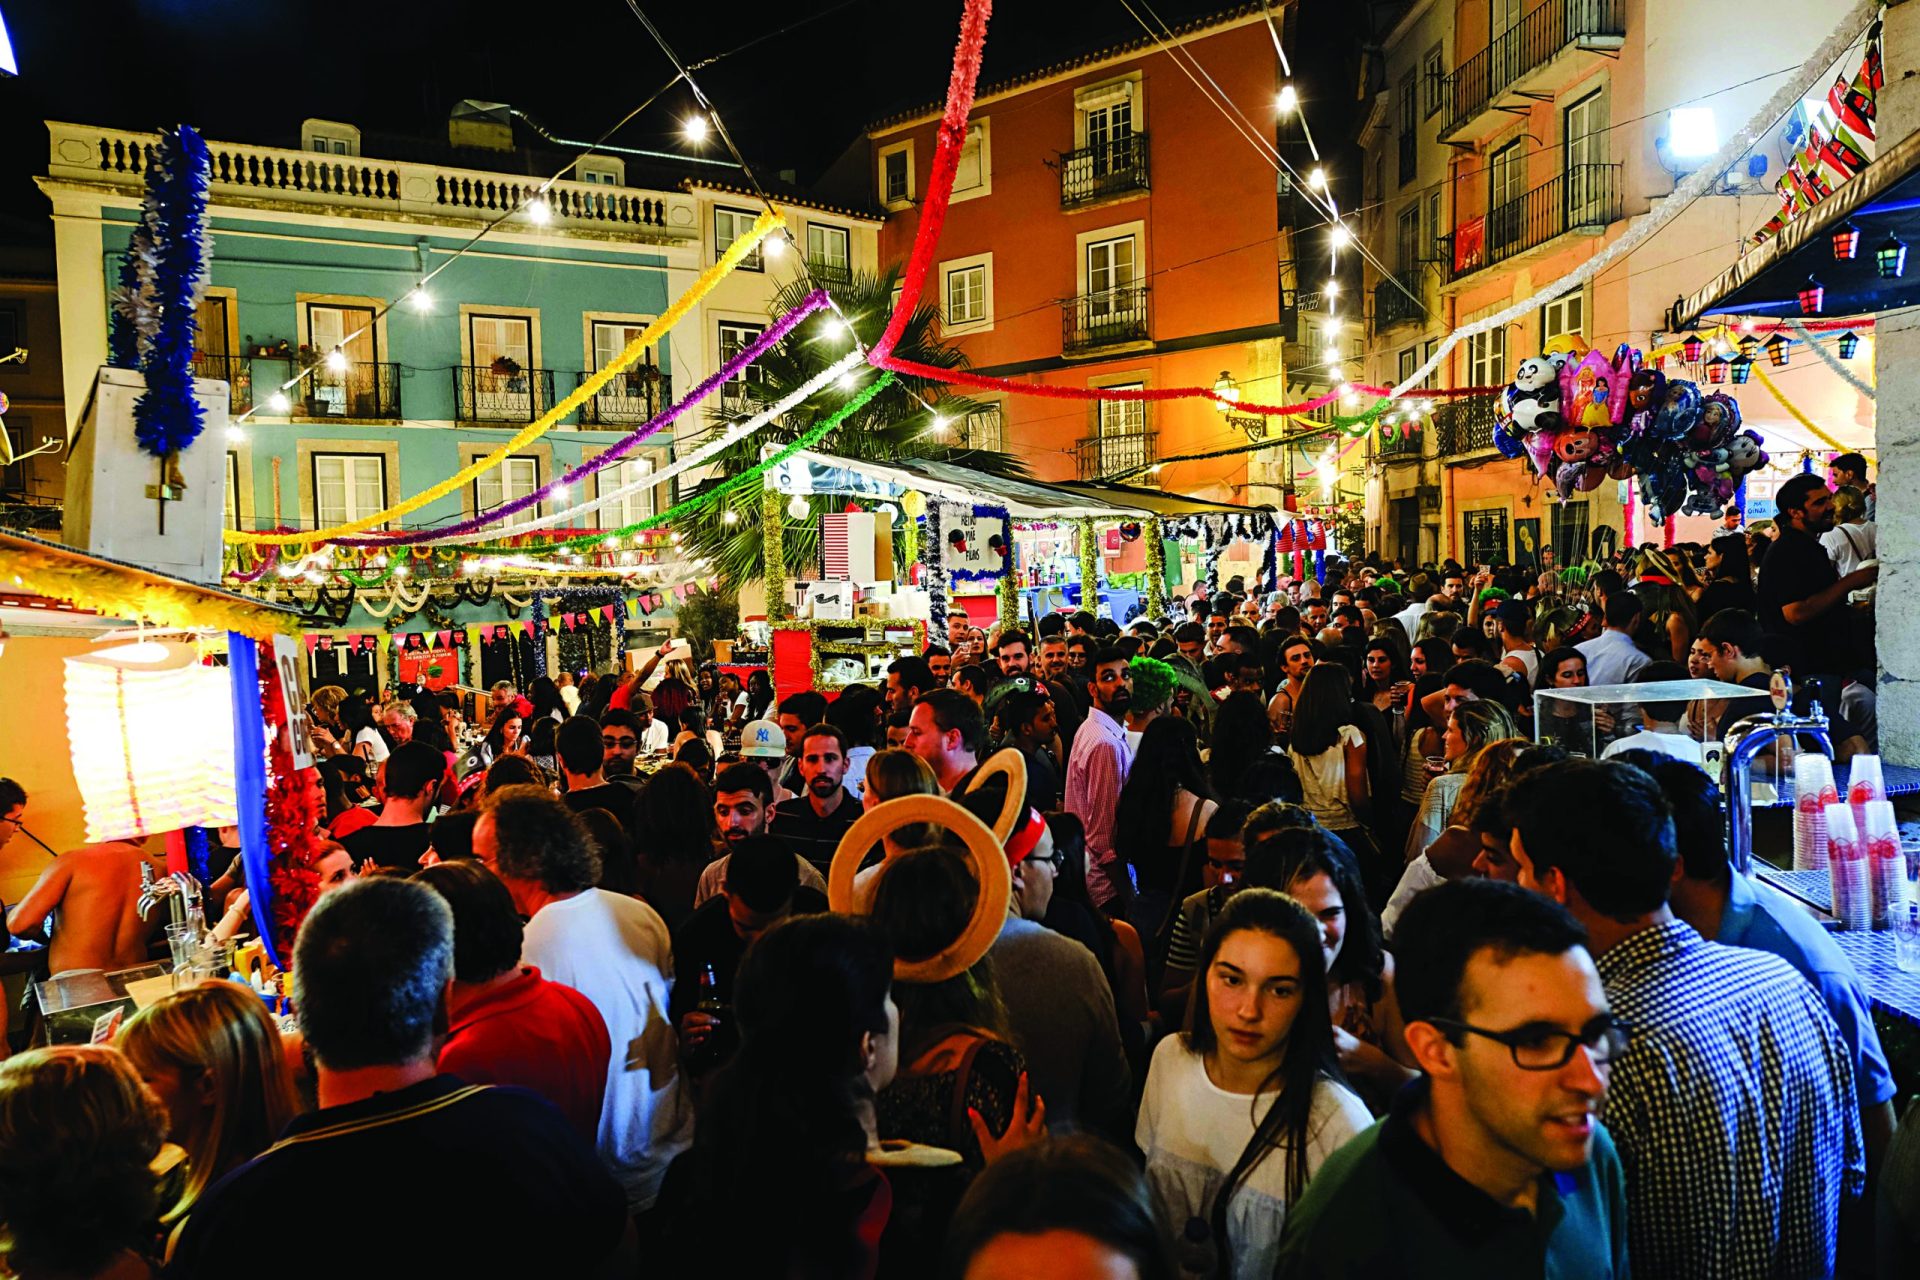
(1582, 419)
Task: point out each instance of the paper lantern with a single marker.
(1742, 367)
(1890, 259)
(152, 740)
(1813, 295)
(1846, 242)
(1692, 347)
(1717, 369)
(1777, 348)
(1749, 346)
(1849, 343)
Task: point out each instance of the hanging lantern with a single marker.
(1849, 343)
(1891, 258)
(1692, 347)
(1749, 346)
(1813, 295)
(1846, 242)
(1777, 351)
(1717, 370)
(1742, 367)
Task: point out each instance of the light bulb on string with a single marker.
(797, 507)
(537, 211)
(336, 361)
(695, 128)
(1340, 236)
(1317, 178)
(938, 427)
(420, 300)
(848, 382)
(278, 402)
(775, 246)
(235, 434)
(1287, 100)
(1332, 289)
(729, 516)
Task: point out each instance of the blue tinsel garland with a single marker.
(168, 418)
(1006, 541)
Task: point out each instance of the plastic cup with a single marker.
(1847, 867)
(1886, 864)
(1813, 792)
(1906, 937)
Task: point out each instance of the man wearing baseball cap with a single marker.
(762, 743)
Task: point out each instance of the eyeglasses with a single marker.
(620, 744)
(1543, 1047)
(1236, 865)
(1056, 859)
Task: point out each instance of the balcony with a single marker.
(285, 176)
(1107, 453)
(1404, 444)
(1392, 305)
(1466, 425)
(235, 371)
(1110, 318)
(490, 393)
(834, 273)
(1508, 67)
(364, 390)
(1104, 172)
(1581, 201)
(630, 398)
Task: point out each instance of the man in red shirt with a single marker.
(506, 1023)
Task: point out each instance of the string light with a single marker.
(1317, 178)
(1332, 289)
(336, 361)
(1340, 237)
(730, 516)
(537, 211)
(420, 299)
(1288, 100)
(236, 434)
(696, 129)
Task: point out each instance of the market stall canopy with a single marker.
(1883, 200)
(809, 472)
(1167, 505)
(63, 580)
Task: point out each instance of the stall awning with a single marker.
(1882, 199)
(886, 481)
(1171, 505)
(114, 589)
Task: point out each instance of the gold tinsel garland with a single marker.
(136, 595)
(1089, 566)
(773, 551)
(1158, 599)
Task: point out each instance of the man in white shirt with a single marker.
(1851, 542)
(614, 950)
(1662, 731)
(1612, 657)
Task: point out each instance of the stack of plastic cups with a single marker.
(1864, 785)
(1813, 791)
(1847, 866)
(1886, 864)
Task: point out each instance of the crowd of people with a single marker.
(1321, 955)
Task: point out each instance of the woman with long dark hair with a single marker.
(674, 838)
(1429, 657)
(1310, 866)
(1158, 821)
(544, 694)
(1242, 735)
(1384, 682)
(1329, 752)
(788, 1134)
(759, 694)
(1243, 1107)
(1729, 577)
(1565, 724)
(1114, 943)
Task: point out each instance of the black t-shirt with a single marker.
(499, 1185)
(707, 937)
(611, 796)
(398, 847)
(1043, 780)
(1796, 568)
(812, 836)
(1724, 593)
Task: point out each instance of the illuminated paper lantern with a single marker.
(1813, 296)
(1777, 351)
(152, 740)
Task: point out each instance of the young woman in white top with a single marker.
(1329, 754)
(1244, 1107)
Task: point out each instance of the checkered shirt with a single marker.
(1733, 1109)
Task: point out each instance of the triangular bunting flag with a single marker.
(312, 640)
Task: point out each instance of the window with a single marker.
(1409, 361)
(896, 175)
(1433, 73)
(1507, 183)
(1408, 111)
(600, 171)
(1588, 185)
(329, 137)
(966, 295)
(1563, 316)
(1106, 123)
(829, 251)
(1110, 265)
(1121, 441)
(1123, 417)
(515, 477)
(630, 508)
(501, 338)
(347, 486)
(729, 225)
(1409, 239)
(230, 513)
(735, 338)
(635, 393)
(500, 383)
(974, 176)
(1487, 358)
(1486, 536)
(985, 429)
(332, 146)
(350, 328)
(352, 392)
(1507, 51)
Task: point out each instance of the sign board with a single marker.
(975, 547)
(287, 667)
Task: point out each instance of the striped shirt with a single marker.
(1734, 1110)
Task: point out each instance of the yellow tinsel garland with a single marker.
(137, 596)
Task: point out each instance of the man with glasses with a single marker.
(1494, 1162)
(1735, 1110)
(624, 732)
(13, 810)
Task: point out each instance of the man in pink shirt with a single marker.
(1097, 769)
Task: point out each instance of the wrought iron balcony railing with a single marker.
(1586, 197)
(497, 393)
(1526, 46)
(1112, 317)
(1099, 172)
(1106, 454)
(632, 396)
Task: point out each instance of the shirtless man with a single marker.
(95, 890)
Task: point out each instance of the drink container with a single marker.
(1847, 866)
(1886, 864)
(1813, 791)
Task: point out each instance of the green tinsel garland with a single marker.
(1089, 567)
(773, 552)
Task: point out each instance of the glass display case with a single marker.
(1687, 719)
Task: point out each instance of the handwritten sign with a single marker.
(287, 668)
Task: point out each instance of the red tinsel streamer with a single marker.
(294, 813)
(946, 163)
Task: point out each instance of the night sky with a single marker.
(251, 70)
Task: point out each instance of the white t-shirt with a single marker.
(1849, 545)
(713, 878)
(656, 736)
(1677, 745)
(1529, 660)
(616, 951)
(1193, 1132)
(1323, 781)
(377, 745)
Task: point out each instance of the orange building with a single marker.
(1110, 229)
